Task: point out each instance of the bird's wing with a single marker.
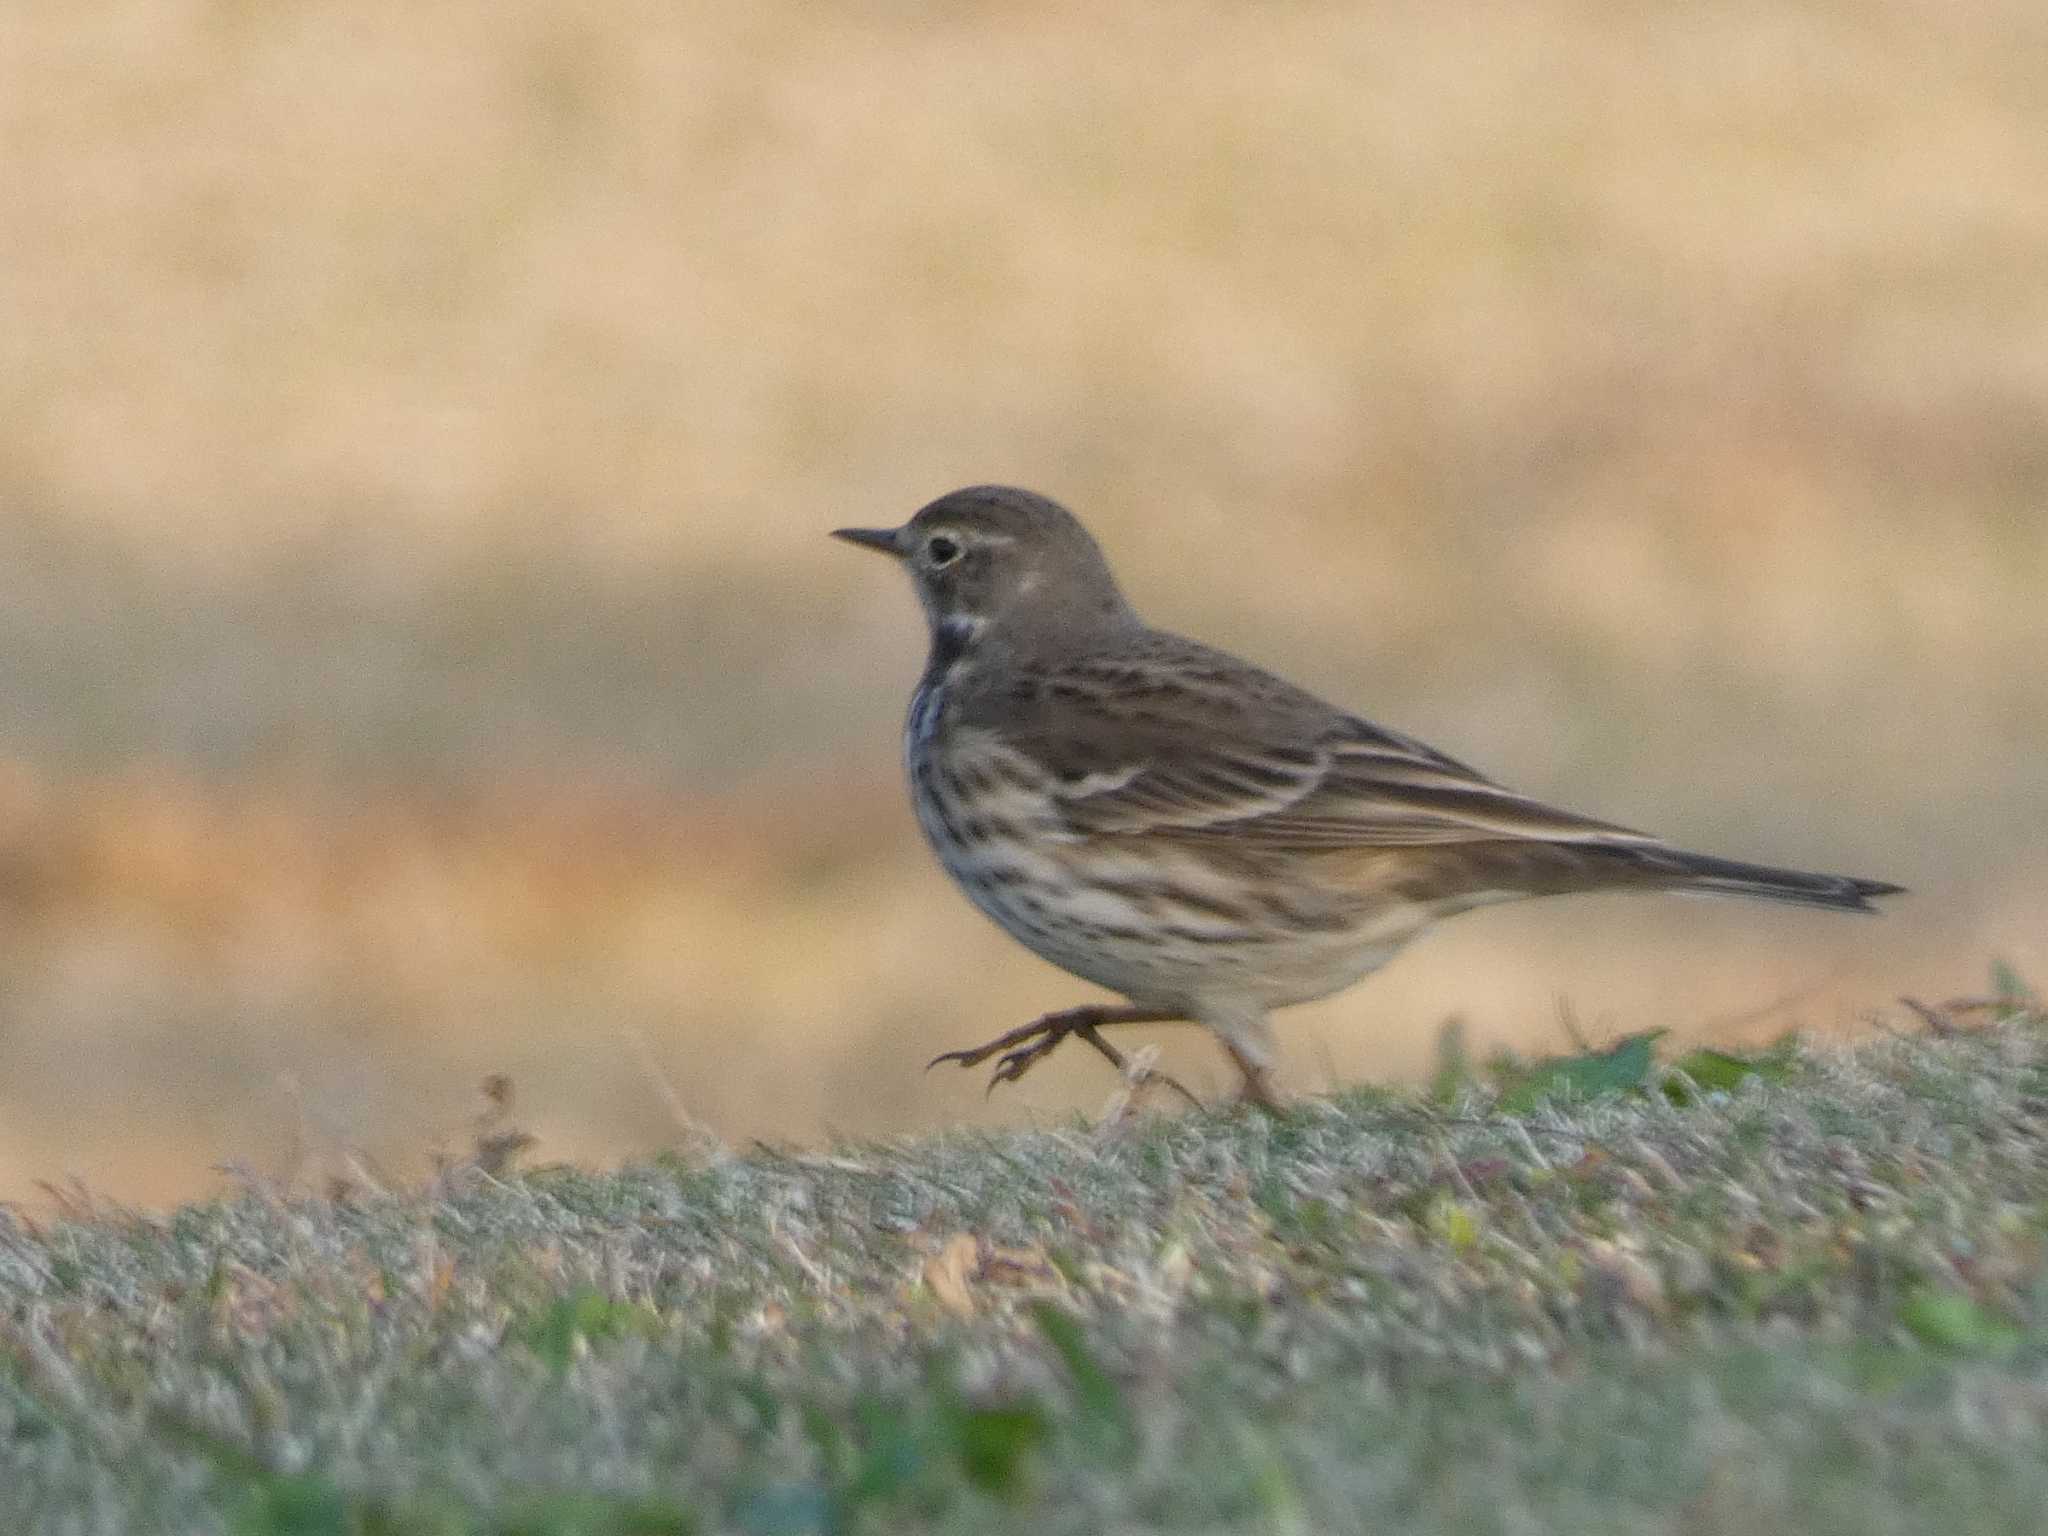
(1188, 755)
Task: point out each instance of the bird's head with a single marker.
(992, 554)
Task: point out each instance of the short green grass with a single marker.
(1813, 1297)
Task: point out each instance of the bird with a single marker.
(1192, 832)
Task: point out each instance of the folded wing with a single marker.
(1197, 754)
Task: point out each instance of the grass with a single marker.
(1815, 1299)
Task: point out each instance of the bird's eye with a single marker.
(941, 550)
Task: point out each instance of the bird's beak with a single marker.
(883, 539)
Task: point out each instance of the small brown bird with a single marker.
(1187, 830)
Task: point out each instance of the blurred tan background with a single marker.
(420, 656)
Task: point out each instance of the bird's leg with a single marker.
(1025, 1046)
(1258, 1089)
(1251, 1045)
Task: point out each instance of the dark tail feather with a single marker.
(1709, 876)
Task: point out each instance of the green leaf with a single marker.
(1622, 1068)
(1452, 1222)
(268, 1502)
(1951, 1321)
(834, 1446)
(995, 1445)
(303, 1505)
(890, 1456)
(2011, 989)
(584, 1315)
(1453, 1062)
(1713, 1071)
(1273, 1486)
(425, 1516)
(1100, 1399)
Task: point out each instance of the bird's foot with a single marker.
(1258, 1090)
(1021, 1049)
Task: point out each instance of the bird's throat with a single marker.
(952, 638)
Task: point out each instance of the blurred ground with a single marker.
(419, 655)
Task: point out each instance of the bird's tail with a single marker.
(1705, 875)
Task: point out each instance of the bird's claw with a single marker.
(1025, 1047)
(1021, 1049)
(1016, 1063)
(974, 1056)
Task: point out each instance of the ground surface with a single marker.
(1815, 1299)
